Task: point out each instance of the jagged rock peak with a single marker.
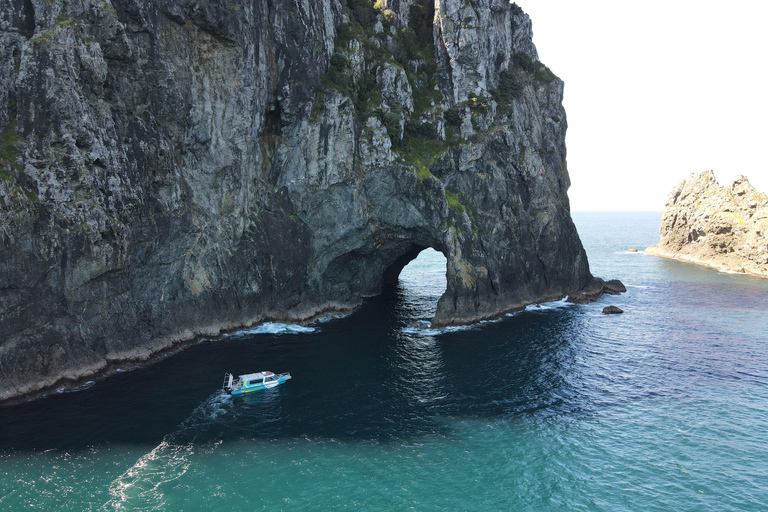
(724, 227)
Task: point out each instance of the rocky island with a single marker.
(725, 227)
(173, 169)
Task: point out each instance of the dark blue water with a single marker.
(554, 408)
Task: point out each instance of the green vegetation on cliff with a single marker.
(369, 41)
(8, 142)
(524, 70)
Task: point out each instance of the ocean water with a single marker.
(557, 407)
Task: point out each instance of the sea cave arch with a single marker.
(367, 271)
(392, 272)
(419, 285)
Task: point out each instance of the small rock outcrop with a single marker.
(595, 289)
(725, 227)
(612, 310)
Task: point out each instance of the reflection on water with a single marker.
(416, 363)
(418, 369)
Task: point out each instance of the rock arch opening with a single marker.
(392, 273)
(421, 276)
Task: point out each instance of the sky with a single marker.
(656, 91)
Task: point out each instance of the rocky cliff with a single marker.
(170, 169)
(722, 227)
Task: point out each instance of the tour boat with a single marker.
(253, 382)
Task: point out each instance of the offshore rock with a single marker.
(612, 310)
(724, 227)
(171, 170)
(595, 289)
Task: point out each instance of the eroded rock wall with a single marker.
(173, 169)
(725, 227)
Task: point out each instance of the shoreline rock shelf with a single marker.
(724, 227)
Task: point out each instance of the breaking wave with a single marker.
(545, 306)
(275, 328)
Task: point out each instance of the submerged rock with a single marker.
(172, 170)
(724, 227)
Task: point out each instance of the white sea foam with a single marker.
(276, 328)
(422, 331)
(458, 328)
(724, 271)
(428, 331)
(85, 386)
(417, 331)
(330, 317)
(544, 306)
(78, 388)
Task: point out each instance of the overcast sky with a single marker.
(657, 90)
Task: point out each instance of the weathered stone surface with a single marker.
(612, 310)
(170, 170)
(595, 289)
(725, 227)
(614, 287)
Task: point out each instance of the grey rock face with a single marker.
(171, 170)
(723, 227)
(479, 39)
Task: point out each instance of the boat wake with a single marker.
(140, 486)
(143, 486)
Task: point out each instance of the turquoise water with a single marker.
(554, 408)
